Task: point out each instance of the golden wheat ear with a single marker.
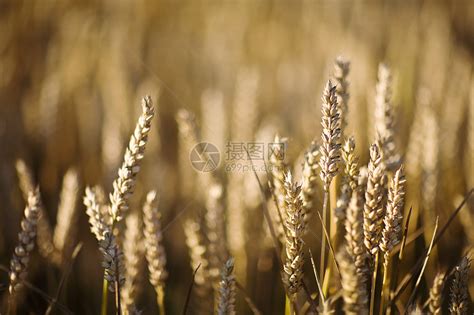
(124, 184)
(133, 249)
(293, 266)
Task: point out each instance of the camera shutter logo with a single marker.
(205, 157)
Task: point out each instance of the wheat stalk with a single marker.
(293, 266)
(155, 252)
(125, 182)
(436, 294)
(226, 301)
(26, 243)
(459, 302)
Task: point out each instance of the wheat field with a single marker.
(236, 157)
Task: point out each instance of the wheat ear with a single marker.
(393, 217)
(215, 229)
(310, 178)
(384, 117)
(354, 225)
(65, 220)
(278, 168)
(374, 195)
(26, 243)
(196, 243)
(331, 136)
(341, 72)
(354, 285)
(93, 209)
(155, 252)
(125, 182)
(436, 294)
(226, 301)
(44, 238)
(293, 266)
(133, 257)
(459, 291)
(351, 174)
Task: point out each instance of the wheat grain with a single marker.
(125, 182)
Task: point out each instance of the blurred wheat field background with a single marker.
(369, 104)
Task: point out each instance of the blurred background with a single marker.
(72, 74)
